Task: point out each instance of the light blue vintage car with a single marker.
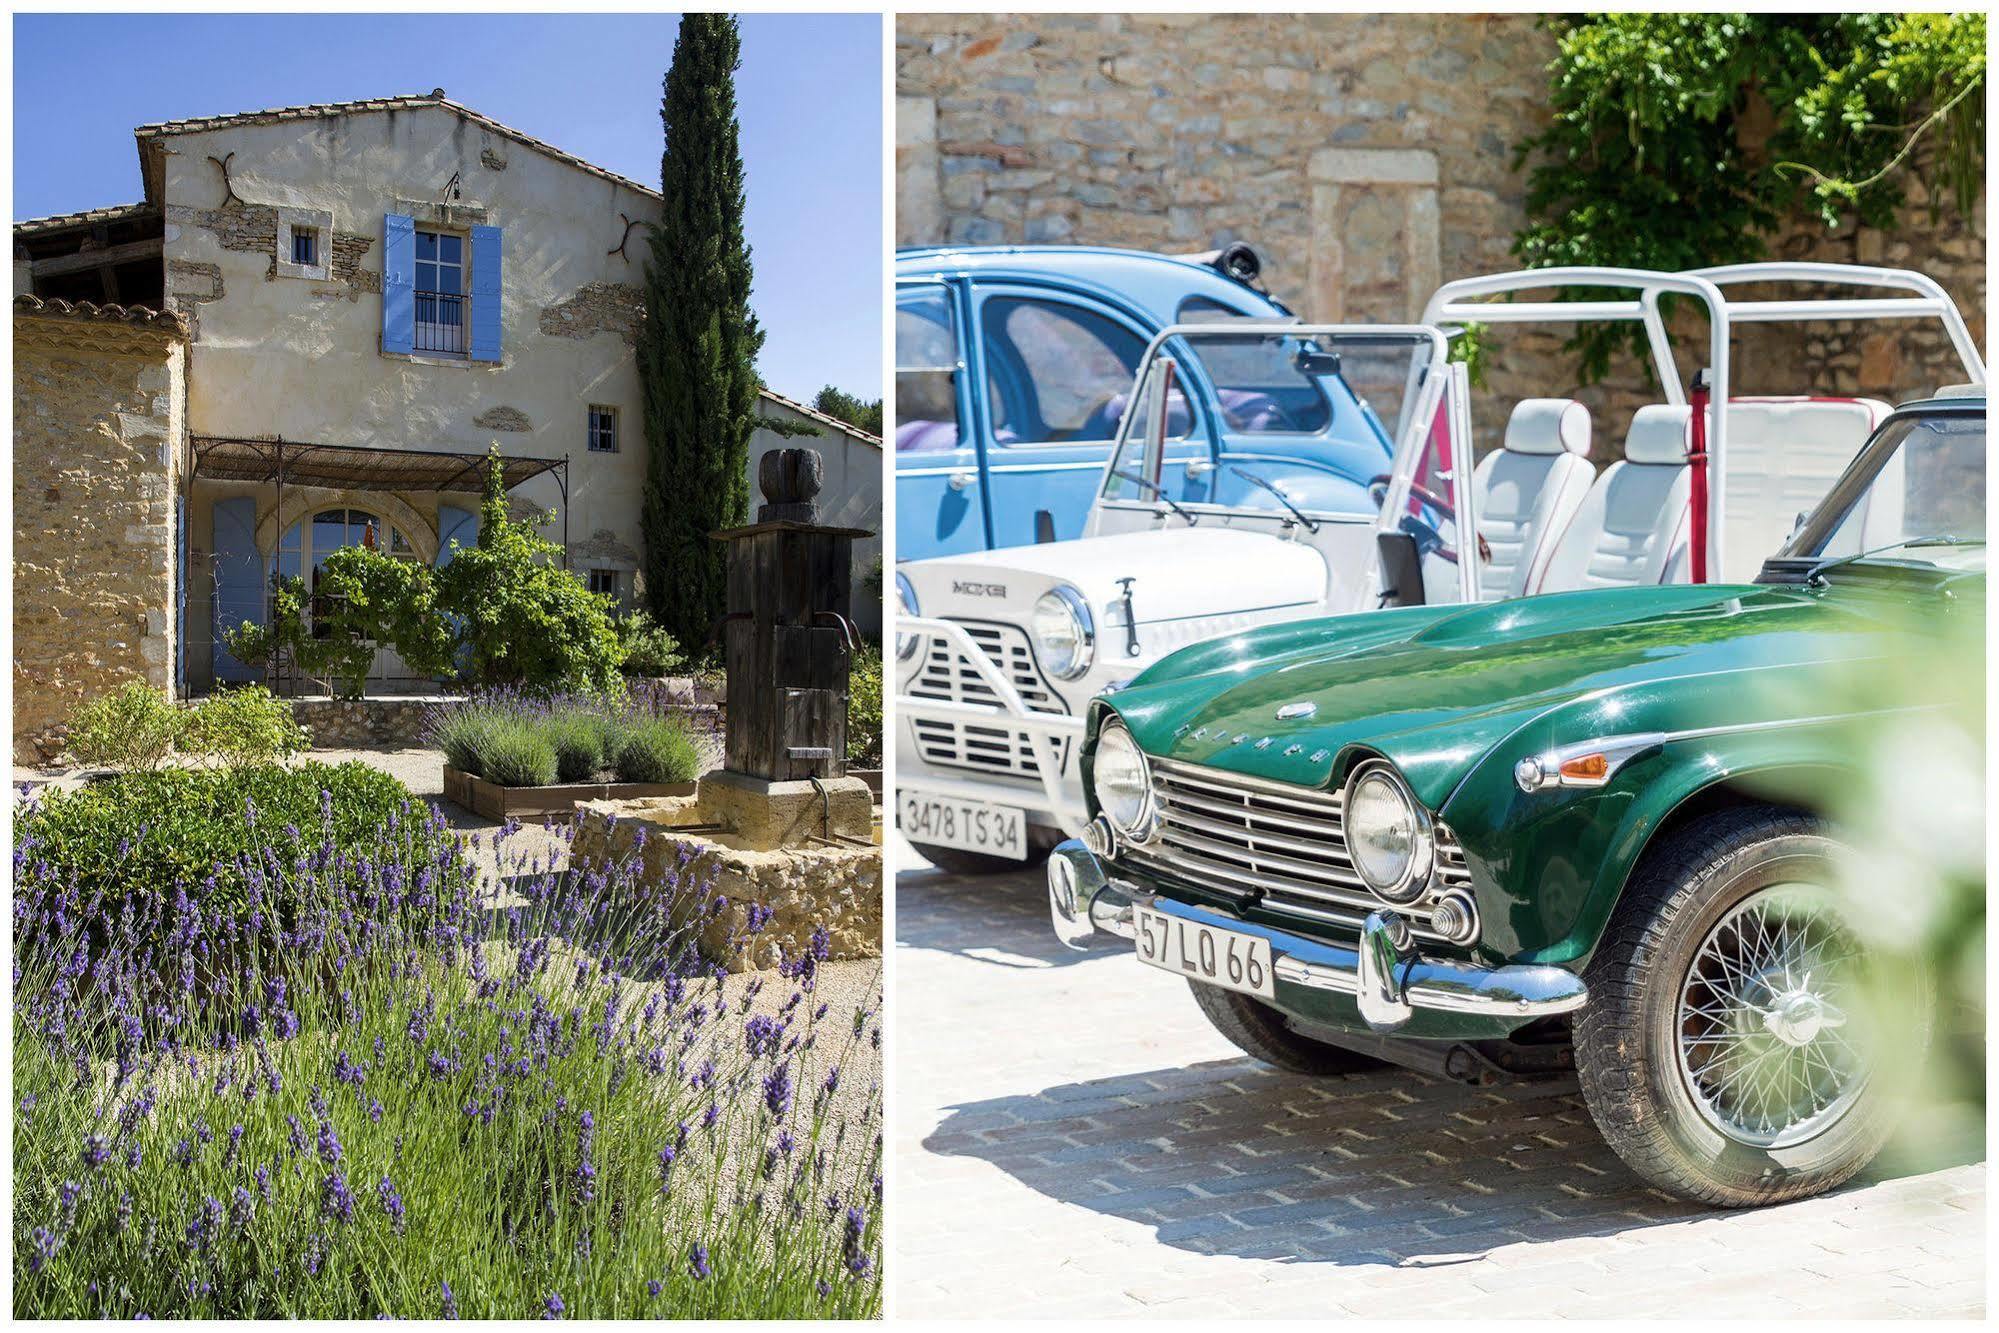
(1054, 334)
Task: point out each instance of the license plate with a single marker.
(969, 826)
(1225, 958)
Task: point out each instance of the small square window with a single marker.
(603, 430)
(305, 246)
(604, 582)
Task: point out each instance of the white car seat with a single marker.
(1783, 456)
(1529, 490)
(1632, 527)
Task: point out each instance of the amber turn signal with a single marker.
(1586, 768)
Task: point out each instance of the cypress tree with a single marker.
(698, 349)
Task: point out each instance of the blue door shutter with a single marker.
(485, 293)
(239, 578)
(453, 522)
(398, 282)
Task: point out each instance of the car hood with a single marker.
(1434, 689)
(1176, 574)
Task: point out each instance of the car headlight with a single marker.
(1388, 833)
(1122, 780)
(905, 602)
(1065, 637)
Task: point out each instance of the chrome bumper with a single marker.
(1384, 974)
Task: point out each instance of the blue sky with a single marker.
(808, 93)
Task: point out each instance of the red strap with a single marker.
(1697, 460)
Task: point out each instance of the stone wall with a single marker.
(1367, 157)
(99, 400)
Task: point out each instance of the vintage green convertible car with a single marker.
(1498, 838)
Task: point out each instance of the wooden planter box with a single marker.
(496, 802)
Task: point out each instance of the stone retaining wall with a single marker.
(398, 722)
(1365, 156)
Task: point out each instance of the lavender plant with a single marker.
(636, 734)
(457, 1079)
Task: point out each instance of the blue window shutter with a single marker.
(485, 293)
(239, 578)
(453, 522)
(398, 282)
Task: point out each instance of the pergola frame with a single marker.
(269, 459)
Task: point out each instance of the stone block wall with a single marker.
(99, 400)
(1367, 157)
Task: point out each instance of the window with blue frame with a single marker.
(603, 430)
(440, 293)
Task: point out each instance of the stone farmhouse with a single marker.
(306, 334)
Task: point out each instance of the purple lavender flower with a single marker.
(330, 1151)
(858, 1261)
(450, 1310)
(336, 1200)
(697, 1260)
(552, 1307)
(777, 1090)
(96, 1150)
(392, 1204)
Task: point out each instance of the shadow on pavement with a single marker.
(1001, 920)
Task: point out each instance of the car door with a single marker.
(939, 495)
(1056, 372)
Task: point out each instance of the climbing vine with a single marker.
(1681, 140)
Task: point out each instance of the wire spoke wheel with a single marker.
(1769, 1042)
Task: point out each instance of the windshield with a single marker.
(1916, 494)
(1273, 387)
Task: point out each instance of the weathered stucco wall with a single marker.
(98, 407)
(1367, 157)
(299, 356)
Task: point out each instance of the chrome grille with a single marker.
(1284, 843)
(945, 675)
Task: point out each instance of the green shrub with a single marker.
(249, 725)
(578, 741)
(656, 749)
(649, 649)
(135, 726)
(133, 836)
(519, 754)
(525, 620)
(864, 708)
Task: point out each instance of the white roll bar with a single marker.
(1454, 303)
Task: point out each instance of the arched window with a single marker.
(303, 549)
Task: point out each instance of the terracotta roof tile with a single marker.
(821, 417)
(324, 110)
(113, 213)
(164, 320)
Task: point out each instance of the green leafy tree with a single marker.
(522, 618)
(862, 414)
(372, 599)
(698, 347)
(1682, 140)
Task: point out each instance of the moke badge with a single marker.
(1292, 712)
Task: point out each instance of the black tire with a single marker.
(952, 861)
(1259, 1032)
(1627, 1038)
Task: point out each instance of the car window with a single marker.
(926, 361)
(1056, 372)
(1927, 483)
(1206, 310)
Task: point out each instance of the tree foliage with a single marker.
(860, 413)
(1683, 140)
(698, 348)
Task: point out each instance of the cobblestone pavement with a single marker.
(1073, 1139)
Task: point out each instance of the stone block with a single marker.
(765, 814)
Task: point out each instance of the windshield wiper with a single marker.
(1155, 488)
(1816, 574)
(1296, 512)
